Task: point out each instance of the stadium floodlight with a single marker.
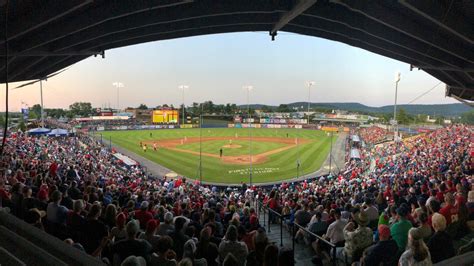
(118, 85)
(249, 88)
(395, 124)
(41, 90)
(309, 84)
(183, 88)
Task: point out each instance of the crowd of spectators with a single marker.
(73, 188)
(417, 198)
(374, 134)
(407, 209)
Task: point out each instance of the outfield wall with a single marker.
(149, 127)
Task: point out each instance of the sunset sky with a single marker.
(217, 66)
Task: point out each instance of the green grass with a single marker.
(215, 146)
(280, 166)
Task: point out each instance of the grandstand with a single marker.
(74, 200)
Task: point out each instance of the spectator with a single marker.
(56, 213)
(256, 257)
(335, 232)
(28, 201)
(150, 233)
(399, 230)
(179, 237)
(417, 254)
(94, 230)
(356, 240)
(206, 249)
(371, 210)
(110, 216)
(190, 253)
(165, 255)
(247, 237)
(440, 244)
(33, 217)
(271, 256)
(449, 211)
(118, 232)
(424, 227)
(231, 245)
(167, 227)
(143, 215)
(76, 221)
(317, 227)
(230, 260)
(133, 261)
(383, 252)
(131, 246)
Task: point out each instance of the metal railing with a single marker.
(333, 246)
(294, 228)
(280, 217)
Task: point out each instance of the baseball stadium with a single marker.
(237, 133)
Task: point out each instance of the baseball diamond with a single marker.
(273, 152)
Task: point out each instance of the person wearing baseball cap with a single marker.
(385, 251)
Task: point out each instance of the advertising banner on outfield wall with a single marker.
(333, 129)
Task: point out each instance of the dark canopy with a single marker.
(435, 36)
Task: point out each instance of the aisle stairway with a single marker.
(303, 253)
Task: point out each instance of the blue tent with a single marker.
(38, 131)
(58, 132)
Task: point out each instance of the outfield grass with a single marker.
(279, 166)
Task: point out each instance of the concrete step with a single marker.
(303, 253)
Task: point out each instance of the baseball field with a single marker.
(227, 153)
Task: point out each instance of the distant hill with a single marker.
(454, 109)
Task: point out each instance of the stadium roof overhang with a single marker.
(435, 36)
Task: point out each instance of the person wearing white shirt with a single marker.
(371, 210)
(335, 232)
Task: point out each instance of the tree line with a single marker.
(85, 109)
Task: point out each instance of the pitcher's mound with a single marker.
(232, 146)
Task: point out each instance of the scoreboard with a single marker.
(165, 116)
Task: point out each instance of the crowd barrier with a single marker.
(272, 214)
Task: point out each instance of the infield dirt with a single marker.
(172, 144)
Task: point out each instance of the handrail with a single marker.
(294, 228)
(315, 235)
(333, 246)
(277, 213)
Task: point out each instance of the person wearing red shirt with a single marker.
(143, 215)
(53, 168)
(449, 211)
